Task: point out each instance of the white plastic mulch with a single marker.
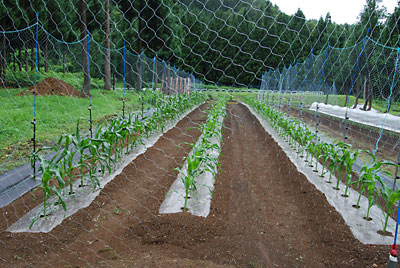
(370, 118)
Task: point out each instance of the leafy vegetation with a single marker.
(88, 155)
(200, 158)
(341, 158)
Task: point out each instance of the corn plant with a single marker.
(317, 154)
(326, 149)
(200, 159)
(349, 160)
(339, 161)
(390, 197)
(49, 170)
(82, 145)
(67, 163)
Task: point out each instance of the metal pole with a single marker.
(90, 97)
(123, 99)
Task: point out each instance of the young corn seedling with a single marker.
(371, 192)
(49, 169)
(333, 159)
(369, 172)
(193, 170)
(350, 159)
(326, 150)
(340, 161)
(67, 164)
(390, 197)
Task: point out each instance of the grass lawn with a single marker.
(55, 115)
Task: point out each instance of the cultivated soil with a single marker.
(362, 137)
(53, 86)
(263, 214)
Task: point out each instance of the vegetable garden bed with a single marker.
(264, 213)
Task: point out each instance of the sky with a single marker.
(342, 11)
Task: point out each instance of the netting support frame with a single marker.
(123, 99)
(90, 97)
(34, 101)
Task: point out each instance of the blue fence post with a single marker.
(154, 72)
(90, 97)
(319, 89)
(34, 98)
(123, 99)
(169, 80)
(163, 77)
(142, 68)
(291, 86)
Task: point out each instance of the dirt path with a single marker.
(263, 214)
(276, 218)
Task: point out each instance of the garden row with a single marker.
(203, 160)
(336, 158)
(81, 158)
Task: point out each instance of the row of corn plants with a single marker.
(335, 158)
(200, 159)
(79, 157)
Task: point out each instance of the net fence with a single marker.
(176, 132)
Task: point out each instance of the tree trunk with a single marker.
(369, 93)
(14, 61)
(155, 75)
(345, 101)
(33, 56)
(26, 59)
(114, 79)
(358, 91)
(85, 55)
(390, 103)
(19, 60)
(46, 54)
(4, 62)
(365, 94)
(107, 65)
(1, 59)
(63, 61)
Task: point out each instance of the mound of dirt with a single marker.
(53, 86)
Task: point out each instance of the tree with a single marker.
(369, 23)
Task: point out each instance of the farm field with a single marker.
(359, 136)
(264, 213)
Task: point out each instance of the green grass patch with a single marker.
(55, 115)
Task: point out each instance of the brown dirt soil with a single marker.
(53, 86)
(263, 214)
